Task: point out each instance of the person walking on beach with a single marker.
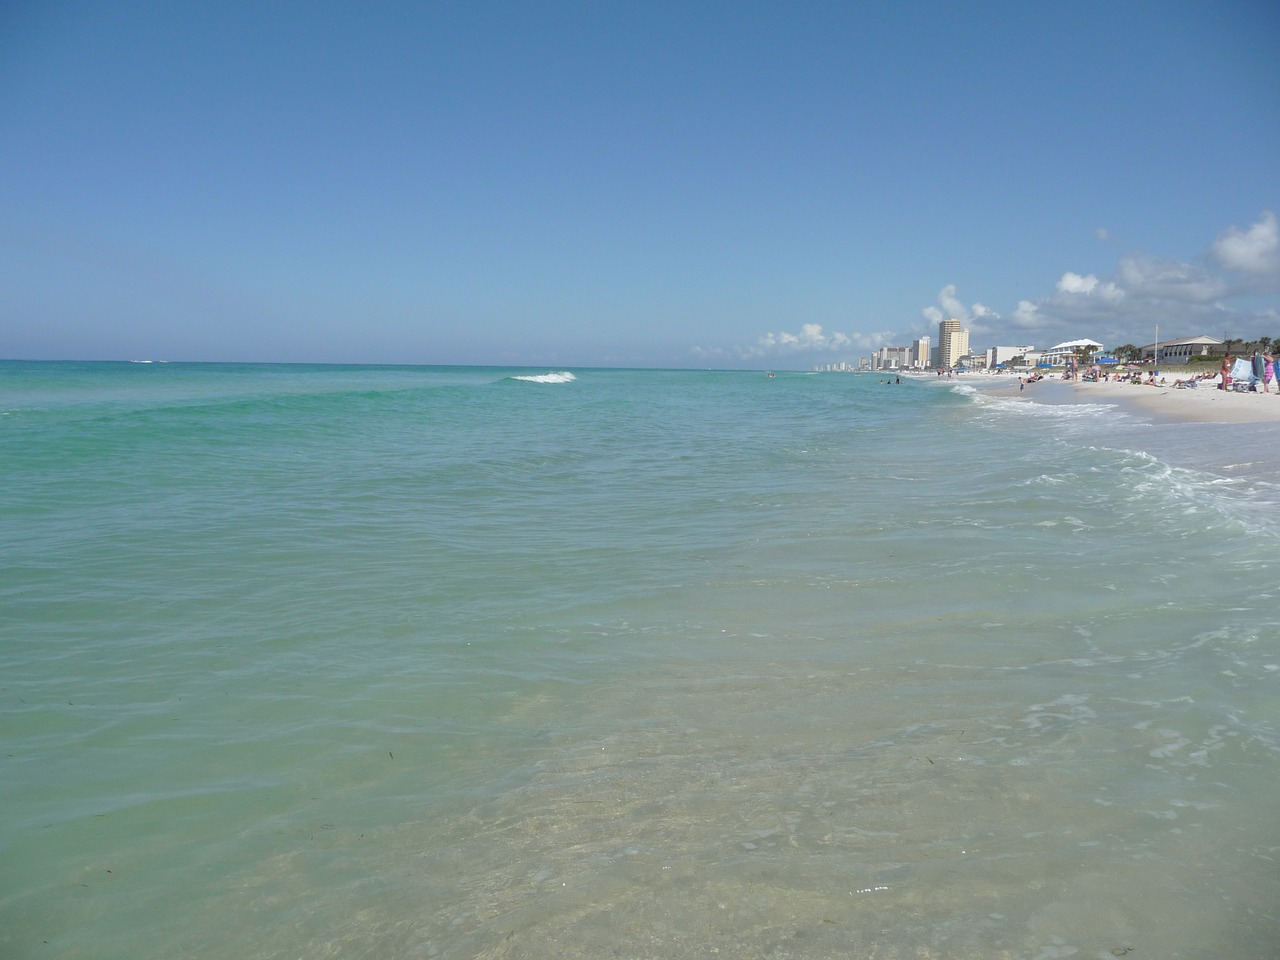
(1268, 370)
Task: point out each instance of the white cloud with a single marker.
(812, 333)
(1185, 297)
(979, 318)
(950, 304)
(1101, 233)
(1143, 291)
(1255, 250)
(1151, 278)
(952, 308)
(1027, 316)
(812, 338)
(1074, 283)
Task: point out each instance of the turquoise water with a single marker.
(307, 661)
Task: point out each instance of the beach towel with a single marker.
(1242, 370)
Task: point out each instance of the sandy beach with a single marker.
(1201, 404)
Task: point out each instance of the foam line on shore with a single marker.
(1202, 404)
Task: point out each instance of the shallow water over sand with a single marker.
(406, 662)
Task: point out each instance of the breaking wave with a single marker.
(563, 376)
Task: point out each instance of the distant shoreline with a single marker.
(1201, 404)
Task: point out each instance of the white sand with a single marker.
(1204, 403)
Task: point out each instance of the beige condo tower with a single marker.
(953, 343)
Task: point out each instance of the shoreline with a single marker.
(1164, 404)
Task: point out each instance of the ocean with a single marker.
(418, 662)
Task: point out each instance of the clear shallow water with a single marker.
(416, 662)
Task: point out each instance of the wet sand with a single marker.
(1201, 404)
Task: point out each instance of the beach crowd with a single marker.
(1253, 374)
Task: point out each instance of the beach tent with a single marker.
(1105, 360)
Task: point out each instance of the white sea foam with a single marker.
(1179, 474)
(1088, 414)
(562, 376)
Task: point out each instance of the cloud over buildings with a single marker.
(1219, 291)
(1187, 296)
(812, 338)
(978, 318)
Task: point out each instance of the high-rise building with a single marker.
(953, 343)
(891, 358)
(920, 352)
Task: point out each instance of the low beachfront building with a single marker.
(1005, 356)
(1064, 353)
(1182, 350)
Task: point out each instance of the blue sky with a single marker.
(694, 184)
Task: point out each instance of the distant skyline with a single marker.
(716, 184)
